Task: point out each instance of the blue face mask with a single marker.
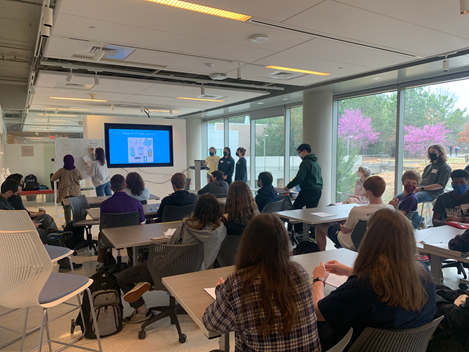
(459, 189)
(212, 154)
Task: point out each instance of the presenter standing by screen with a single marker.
(212, 162)
(97, 170)
(241, 173)
(226, 165)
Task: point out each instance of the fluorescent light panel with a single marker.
(203, 9)
(297, 70)
(79, 99)
(215, 100)
(66, 109)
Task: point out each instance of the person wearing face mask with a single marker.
(435, 175)
(454, 205)
(212, 162)
(359, 194)
(241, 173)
(409, 202)
(266, 192)
(226, 165)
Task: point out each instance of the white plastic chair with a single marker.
(26, 280)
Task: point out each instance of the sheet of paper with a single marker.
(336, 280)
(211, 292)
(322, 215)
(169, 232)
(87, 159)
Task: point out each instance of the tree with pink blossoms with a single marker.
(356, 128)
(417, 140)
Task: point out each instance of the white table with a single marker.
(307, 217)
(188, 289)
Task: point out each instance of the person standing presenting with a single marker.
(241, 173)
(212, 162)
(309, 178)
(226, 165)
(97, 170)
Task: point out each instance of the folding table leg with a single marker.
(435, 262)
(224, 342)
(306, 228)
(135, 254)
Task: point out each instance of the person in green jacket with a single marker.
(309, 178)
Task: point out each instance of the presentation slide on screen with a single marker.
(139, 146)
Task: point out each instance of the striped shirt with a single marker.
(225, 314)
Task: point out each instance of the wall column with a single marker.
(194, 147)
(317, 131)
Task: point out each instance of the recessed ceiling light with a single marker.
(215, 100)
(285, 98)
(260, 103)
(297, 70)
(79, 99)
(203, 9)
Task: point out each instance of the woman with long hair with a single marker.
(240, 208)
(227, 165)
(387, 288)
(97, 170)
(136, 187)
(267, 301)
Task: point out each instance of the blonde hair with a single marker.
(387, 257)
(366, 170)
(443, 157)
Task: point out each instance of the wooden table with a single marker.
(95, 202)
(136, 236)
(150, 210)
(307, 217)
(188, 289)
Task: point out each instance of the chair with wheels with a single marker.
(109, 220)
(342, 343)
(79, 207)
(273, 207)
(358, 233)
(406, 340)
(28, 281)
(173, 213)
(228, 250)
(168, 260)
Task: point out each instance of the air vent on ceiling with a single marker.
(285, 76)
(108, 51)
(74, 85)
(119, 61)
(210, 96)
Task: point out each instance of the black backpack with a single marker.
(107, 304)
(30, 183)
(77, 238)
(305, 247)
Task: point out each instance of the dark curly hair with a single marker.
(135, 183)
(207, 210)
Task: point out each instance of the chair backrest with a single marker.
(409, 340)
(173, 213)
(342, 343)
(109, 220)
(273, 207)
(15, 220)
(25, 265)
(359, 232)
(79, 206)
(228, 250)
(288, 205)
(188, 184)
(173, 259)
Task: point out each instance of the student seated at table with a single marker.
(341, 234)
(409, 202)
(266, 192)
(240, 208)
(179, 198)
(218, 186)
(267, 301)
(120, 202)
(136, 187)
(454, 205)
(386, 289)
(206, 225)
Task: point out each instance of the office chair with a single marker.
(173, 213)
(79, 207)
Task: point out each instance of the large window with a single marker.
(296, 138)
(216, 136)
(270, 148)
(366, 135)
(240, 136)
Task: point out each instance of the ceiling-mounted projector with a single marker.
(218, 76)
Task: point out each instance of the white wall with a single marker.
(40, 164)
(93, 128)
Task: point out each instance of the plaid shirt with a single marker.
(225, 314)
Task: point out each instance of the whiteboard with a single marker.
(76, 147)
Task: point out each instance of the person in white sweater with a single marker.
(97, 170)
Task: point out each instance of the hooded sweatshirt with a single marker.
(309, 175)
(219, 187)
(177, 199)
(211, 236)
(266, 195)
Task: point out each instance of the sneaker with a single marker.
(136, 318)
(137, 292)
(66, 267)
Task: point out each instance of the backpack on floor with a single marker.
(107, 305)
(30, 183)
(305, 247)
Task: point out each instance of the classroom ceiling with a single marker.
(162, 53)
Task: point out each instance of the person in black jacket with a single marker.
(179, 198)
(267, 192)
(226, 165)
(241, 173)
(218, 186)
